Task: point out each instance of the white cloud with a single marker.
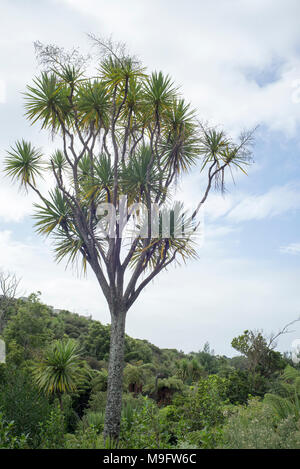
(215, 299)
(240, 206)
(2, 91)
(293, 248)
(33, 261)
(14, 205)
(237, 61)
(212, 299)
(276, 201)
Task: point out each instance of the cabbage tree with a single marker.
(125, 137)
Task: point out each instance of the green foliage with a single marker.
(8, 439)
(55, 214)
(205, 411)
(146, 428)
(93, 419)
(202, 406)
(260, 356)
(133, 374)
(208, 438)
(72, 325)
(28, 330)
(52, 432)
(207, 359)
(135, 178)
(47, 101)
(189, 371)
(96, 341)
(256, 427)
(239, 387)
(99, 381)
(21, 403)
(149, 136)
(97, 402)
(60, 371)
(288, 404)
(23, 163)
(84, 439)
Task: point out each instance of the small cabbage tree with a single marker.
(61, 370)
(126, 137)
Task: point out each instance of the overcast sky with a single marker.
(238, 63)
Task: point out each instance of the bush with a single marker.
(146, 427)
(201, 407)
(84, 439)
(89, 439)
(93, 419)
(204, 439)
(53, 430)
(238, 387)
(8, 438)
(97, 402)
(21, 403)
(257, 427)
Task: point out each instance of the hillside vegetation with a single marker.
(53, 388)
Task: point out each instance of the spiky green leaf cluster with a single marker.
(123, 132)
(59, 370)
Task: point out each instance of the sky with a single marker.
(238, 63)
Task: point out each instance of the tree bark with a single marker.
(115, 376)
(60, 402)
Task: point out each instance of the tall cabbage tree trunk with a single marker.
(115, 375)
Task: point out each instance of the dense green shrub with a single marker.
(8, 437)
(238, 387)
(202, 406)
(208, 438)
(28, 330)
(92, 419)
(207, 394)
(256, 426)
(88, 438)
(52, 432)
(22, 403)
(97, 402)
(146, 428)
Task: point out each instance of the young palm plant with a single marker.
(124, 134)
(61, 369)
(288, 404)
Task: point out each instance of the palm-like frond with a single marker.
(140, 176)
(104, 177)
(282, 406)
(159, 93)
(59, 372)
(69, 74)
(70, 248)
(212, 143)
(216, 147)
(134, 105)
(58, 161)
(84, 168)
(23, 163)
(290, 374)
(53, 214)
(289, 404)
(96, 178)
(55, 217)
(115, 71)
(93, 101)
(173, 232)
(48, 102)
(180, 144)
